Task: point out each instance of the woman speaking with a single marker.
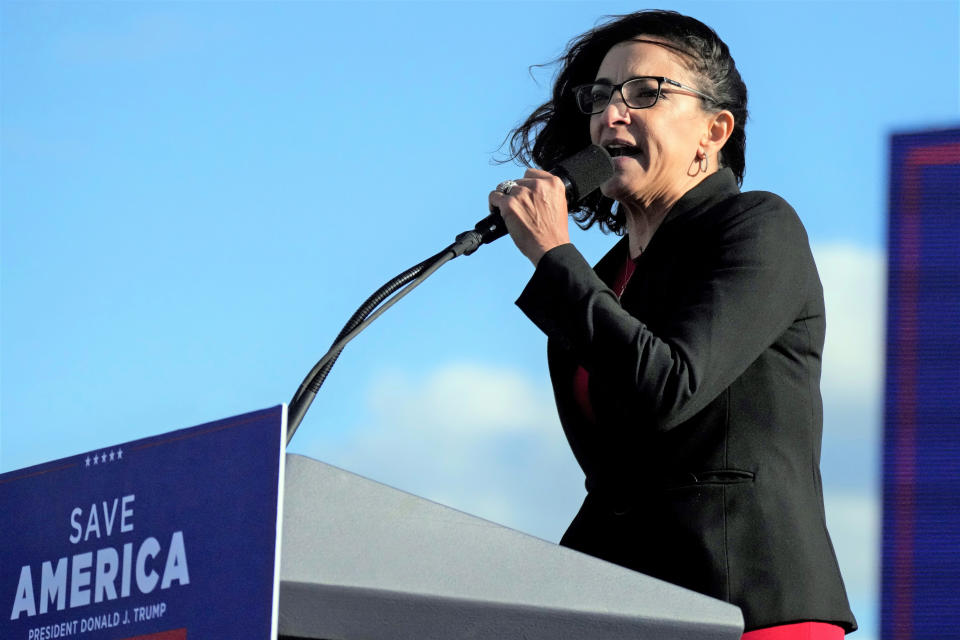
(686, 363)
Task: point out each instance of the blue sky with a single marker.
(196, 195)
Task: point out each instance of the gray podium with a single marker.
(363, 561)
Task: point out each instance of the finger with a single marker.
(541, 182)
(498, 200)
(537, 174)
(493, 200)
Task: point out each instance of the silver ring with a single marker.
(505, 186)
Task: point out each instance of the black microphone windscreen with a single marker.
(586, 170)
(582, 173)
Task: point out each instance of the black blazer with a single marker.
(703, 466)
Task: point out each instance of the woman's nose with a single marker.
(616, 111)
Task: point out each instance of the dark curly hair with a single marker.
(558, 129)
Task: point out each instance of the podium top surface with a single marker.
(350, 542)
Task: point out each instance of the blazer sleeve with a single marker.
(753, 285)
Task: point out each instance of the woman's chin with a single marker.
(616, 187)
(628, 174)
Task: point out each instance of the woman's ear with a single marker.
(719, 128)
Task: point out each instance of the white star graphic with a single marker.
(103, 458)
(88, 461)
(119, 454)
(111, 456)
(96, 459)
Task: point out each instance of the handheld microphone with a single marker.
(582, 174)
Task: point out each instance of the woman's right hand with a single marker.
(535, 213)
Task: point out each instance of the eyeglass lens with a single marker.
(639, 93)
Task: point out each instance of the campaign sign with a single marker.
(166, 538)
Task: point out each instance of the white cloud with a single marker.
(852, 383)
(852, 386)
(482, 439)
(853, 288)
(465, 399)
(854, 522)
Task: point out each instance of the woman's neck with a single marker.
(641, 225)
(643, 217)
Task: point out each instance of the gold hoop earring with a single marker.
(704, 163)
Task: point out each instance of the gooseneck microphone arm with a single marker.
(369, 311)
(582, 173)
(485, 231)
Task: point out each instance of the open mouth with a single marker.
(617, 150)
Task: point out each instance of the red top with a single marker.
(797, 631)
(581, 378)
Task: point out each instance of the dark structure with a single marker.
(921, 463)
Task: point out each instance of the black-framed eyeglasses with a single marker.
(641, 92)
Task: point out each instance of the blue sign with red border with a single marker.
(166, 538)
(921, 504)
